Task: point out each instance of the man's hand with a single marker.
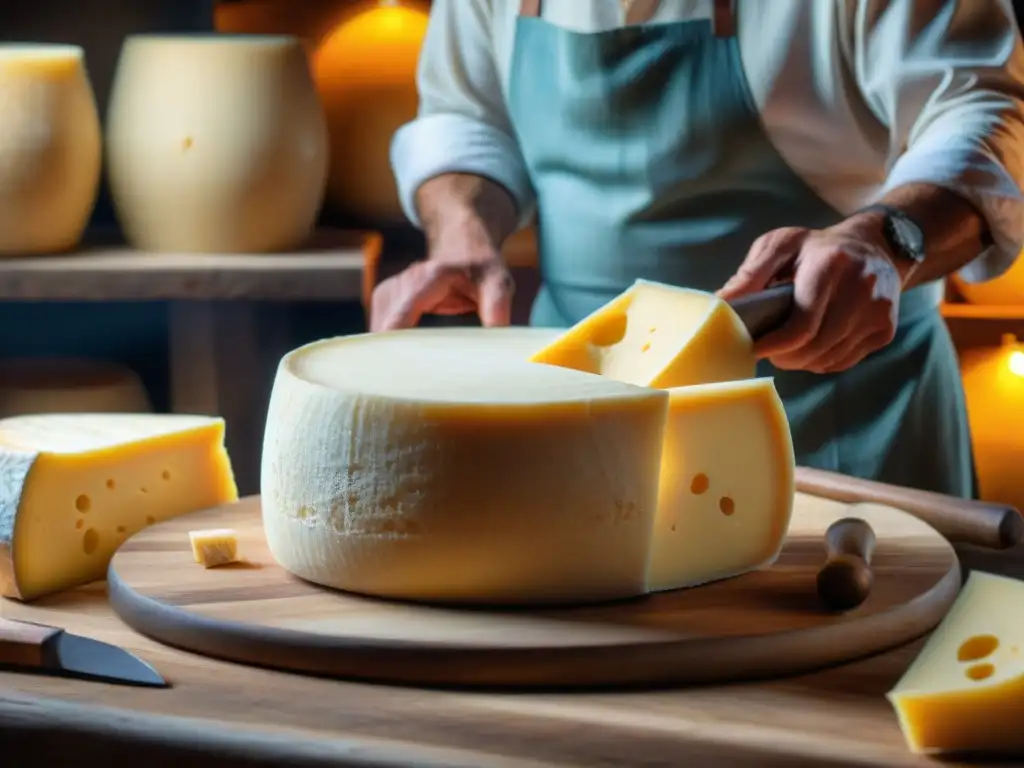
(457, 280)
(846, 293)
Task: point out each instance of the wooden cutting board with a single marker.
(763, 624)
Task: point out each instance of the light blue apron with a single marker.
(649, 161)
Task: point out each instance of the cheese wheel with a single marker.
(215, 143)
(68, 386)
(50, 148)
(441, 465)
(436, 464)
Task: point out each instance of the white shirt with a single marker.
(858, 96)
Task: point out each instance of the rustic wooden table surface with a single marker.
(228, 715)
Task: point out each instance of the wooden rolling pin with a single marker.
(845, 581)
(996, 526)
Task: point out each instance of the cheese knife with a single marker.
(25, 646)
(765, 311)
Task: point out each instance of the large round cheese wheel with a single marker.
(365, 71)
(215, 143)
(50, 148)
(67, 385)
(438, 465)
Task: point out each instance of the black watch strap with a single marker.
(902, 233)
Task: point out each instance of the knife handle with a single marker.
(845, 580)
(765, 311)
(23, 644)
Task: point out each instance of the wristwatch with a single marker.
(902, 234)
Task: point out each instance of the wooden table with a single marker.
(228, 715)
(220, 344)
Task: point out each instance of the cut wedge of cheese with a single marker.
(50, 148)
(67, 385)
(726, 493)
(75, 486)
(965, 690)
(657, 335)
(215, 547)
(438, 465)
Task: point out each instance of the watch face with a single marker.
(908, 236)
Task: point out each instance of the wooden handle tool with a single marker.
(845, 581)
(26, 645)
(765, 311)
(996, 526)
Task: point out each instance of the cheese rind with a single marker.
(439, 465)
(215, 547)
(77, 485)
(657, 335)
(964, 692)
(726, 494)
(50, 148)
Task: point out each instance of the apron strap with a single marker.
(639, 12)
(724, 21)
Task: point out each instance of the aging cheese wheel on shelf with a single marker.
(56, 385)
(441, 465)
(365, 70)
(216, 143)
(50, 148)
(75, 486)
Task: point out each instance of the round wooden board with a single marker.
(766, 623)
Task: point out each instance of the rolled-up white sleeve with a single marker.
(463, 124)
(947, 80)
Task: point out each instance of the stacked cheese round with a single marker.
(442, 465)
(216, 143)
(66, 385)
(50, 148)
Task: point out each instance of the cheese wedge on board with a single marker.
(657, 335)
(726, 492)
(965, 690)
(215, 547)
(441, 465)
(75, 486)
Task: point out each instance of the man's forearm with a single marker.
(473, 210)
(954, 231)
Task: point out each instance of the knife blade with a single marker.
(37, 647)
(764, 311)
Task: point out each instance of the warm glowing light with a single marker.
(1016, 362)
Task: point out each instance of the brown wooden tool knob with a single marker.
(846, 578)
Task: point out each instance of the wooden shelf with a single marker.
(330, 268)
(952, 311)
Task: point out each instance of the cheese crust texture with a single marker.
(73, 487)
(442, 465)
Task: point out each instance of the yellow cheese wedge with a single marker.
(965, 691)
(215, 547)
(67, 385)
(50, 148)
(726, 492)
(75, 486)
(441, 465)
(657, 335)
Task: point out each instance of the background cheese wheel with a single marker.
(67, 385)
(215, 143)
(437, 464)
(50, 148)
(365, 71)
(1006, 290)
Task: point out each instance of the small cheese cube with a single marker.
(965, 690)
(657, 335)
(214, 547)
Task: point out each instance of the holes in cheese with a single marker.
(726, 492)
(438, 464)
(657, 335)
(214, 548)
(965, 690)
(68, 496)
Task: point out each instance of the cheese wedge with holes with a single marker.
(965, 690)
(726, 493)
(215, 547)
(657, 335)
(439, 465)
(75, 486)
